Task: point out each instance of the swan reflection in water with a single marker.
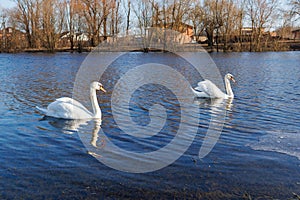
(218, 108)
(87, 129)
(214, 103)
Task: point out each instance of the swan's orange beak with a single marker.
(102, 89)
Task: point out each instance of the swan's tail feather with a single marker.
(194, 91)
(199, 93)
(43, 110)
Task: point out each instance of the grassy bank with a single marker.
(287, 45)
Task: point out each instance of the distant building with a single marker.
(12, 39)
(249, 30)
(200, 38)
(77, 36)
(78, 39)
(273, 34)
(246, 31)
(186, 31)
(296, 34)
(285, 33)
(10, 32)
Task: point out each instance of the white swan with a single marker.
(208, 89)
(68, 108)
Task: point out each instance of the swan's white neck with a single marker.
(228, 88)
(95, 105)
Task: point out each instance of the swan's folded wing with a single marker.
(69, 101)
(67, 108)
(60, 109)
(210, 88)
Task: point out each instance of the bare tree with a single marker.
(295, 11)
(197, 16)
(240, 23)
(128, 17)
(232, 17)
(27, 15)
(92, 10)
(179, 13)
(51, 25)
(209, 9)
(70, 6)
(142, 10)
(3, 24)
(105, 14)
(156, 14)
(260, 14)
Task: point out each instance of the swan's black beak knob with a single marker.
(102, 89)
(233, 80)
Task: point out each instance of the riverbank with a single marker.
(272, 46)
(287, 45)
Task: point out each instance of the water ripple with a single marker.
(260, 136)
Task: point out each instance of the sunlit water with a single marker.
(257, 154)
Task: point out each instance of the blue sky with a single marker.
(6, 3)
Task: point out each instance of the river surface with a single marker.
(256, 155)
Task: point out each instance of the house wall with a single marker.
(296, 34)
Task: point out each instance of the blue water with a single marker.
(257, 154)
